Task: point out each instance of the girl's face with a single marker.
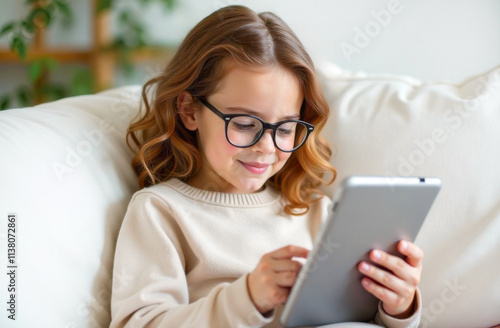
(271, 93)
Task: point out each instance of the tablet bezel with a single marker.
(341, 243)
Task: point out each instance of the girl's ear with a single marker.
(186, 109)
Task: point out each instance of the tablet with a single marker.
(368, 212)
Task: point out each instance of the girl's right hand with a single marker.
(270, 282)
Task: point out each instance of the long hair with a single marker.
(166, 149)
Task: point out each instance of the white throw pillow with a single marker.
(65, 172)
(395, 125)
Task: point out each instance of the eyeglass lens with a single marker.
(244, 130)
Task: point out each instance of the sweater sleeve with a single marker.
(149, 282)
(385, 320)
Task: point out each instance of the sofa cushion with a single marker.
(66, 175)
(399, 126)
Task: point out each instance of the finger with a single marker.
(385, 279)
(286, 265)
(384, 294)
(393, 303)
(285, 279)
(288, 252)
(279, 295)
(414, 255)
(397, 265)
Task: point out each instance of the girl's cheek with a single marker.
(283, 157)
(228, 151)
(281, 161)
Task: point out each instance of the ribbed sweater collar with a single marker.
(265, 197)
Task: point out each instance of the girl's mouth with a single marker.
(255, 168)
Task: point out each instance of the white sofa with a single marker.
(65, 174)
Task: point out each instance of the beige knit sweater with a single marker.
(183, 255)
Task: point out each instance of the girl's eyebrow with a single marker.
(254, 113)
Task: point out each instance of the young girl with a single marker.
(231, 154)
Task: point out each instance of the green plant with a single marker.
(132, 35)
(41, 15)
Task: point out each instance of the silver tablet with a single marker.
(368, 212)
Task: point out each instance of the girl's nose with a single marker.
(266, 144)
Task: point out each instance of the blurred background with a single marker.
(51, 49)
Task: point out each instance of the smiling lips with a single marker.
(255, 168)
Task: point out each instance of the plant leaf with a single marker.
(7, 28)
(4, 102)
(24, 95)
(35, 70)
(54, 91)
(82, 83)
(40, 17)
(22, 49)
(125, 17)
(64, 8)
(126, 63)
(170, 4)
(50, 64)
(103, 5)
(28, 26)
(18, 45)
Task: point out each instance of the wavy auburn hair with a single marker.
(165, 149)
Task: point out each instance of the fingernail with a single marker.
(377, 255)
(404, 245)
(366, 282)
(365, 267)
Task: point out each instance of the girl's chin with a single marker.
(247, 187)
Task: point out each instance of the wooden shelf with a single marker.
(100, 61)
(62, 55)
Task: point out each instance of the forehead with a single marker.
(270, 92)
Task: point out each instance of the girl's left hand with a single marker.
(396, 286)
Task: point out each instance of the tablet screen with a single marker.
(369, 212)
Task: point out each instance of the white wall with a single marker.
(431, 40)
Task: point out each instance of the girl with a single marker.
(231, 152)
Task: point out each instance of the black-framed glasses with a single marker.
(245, 130)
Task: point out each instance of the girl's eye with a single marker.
(286, 129)
(239, 126)
(245, 124)
(284, 132)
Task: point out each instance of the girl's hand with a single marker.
(270, 282)
(397, 286)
